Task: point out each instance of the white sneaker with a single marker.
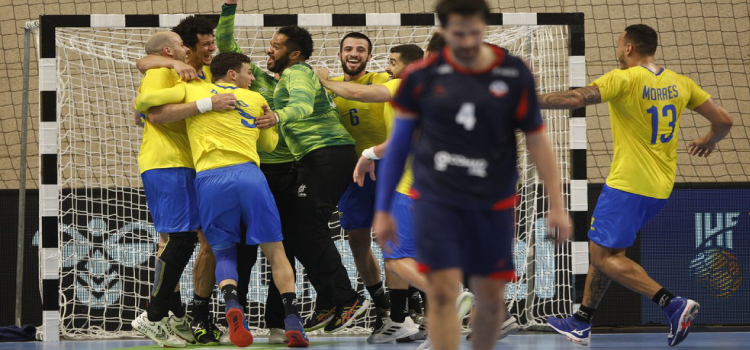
(507, 328)
(277, 336)
(181, 327)
(160, 332)
(419, 321)
(427, 345)
(464, 303)
(393, 330)
(224, 338)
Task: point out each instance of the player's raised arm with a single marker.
(225, 29)
(151, 61)
(353, 91)
(721, 123)
(571, 99)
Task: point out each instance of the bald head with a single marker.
(166, 44)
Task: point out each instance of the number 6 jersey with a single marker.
(645, 109)
(465, 155)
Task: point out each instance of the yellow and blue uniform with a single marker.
(366, 123)
(230, 187)
(166, 165)
(645, 110)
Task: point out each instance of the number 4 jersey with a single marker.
(645, 109)
(465, 155)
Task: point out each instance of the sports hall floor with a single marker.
(640, 341)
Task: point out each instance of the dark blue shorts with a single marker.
(619, 215)
(478, 242)
(234, 194)
(170, 194)
(357, 205)
(402, 214)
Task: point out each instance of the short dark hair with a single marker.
(226, 61)
(409, 53)
(437, 43)
(298, 39)
(189, 28)
(356, 35)
(644, 39)
(463, 8)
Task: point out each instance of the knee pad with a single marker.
(179, 248)
(226, 264)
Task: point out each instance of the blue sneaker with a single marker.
(295, 332)
(575, 330)
(680, 313)
(239, 334)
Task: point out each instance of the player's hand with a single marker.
(222, 102)
(558, 223)
(139, 119)
(701, 147)
(186, 71)
(267, 120)
(363, 167)
(385, 230)
(138, 116)
(322, 73)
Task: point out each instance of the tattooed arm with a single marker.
(571, 99)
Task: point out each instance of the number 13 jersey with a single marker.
(645, 110)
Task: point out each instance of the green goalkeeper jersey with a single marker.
(264, 83)
(308, 117)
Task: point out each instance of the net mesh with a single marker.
(107, 244)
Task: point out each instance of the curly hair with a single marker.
(189, 28)
(298, 39)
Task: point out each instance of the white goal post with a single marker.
(97, 245)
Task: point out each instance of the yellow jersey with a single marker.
(219, 138)
(404, 185)
(163, 145)
(206, 75)
(365, 121)
(645, 110)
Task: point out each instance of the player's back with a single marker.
(365, 121)
(224, 138)
(645, 111)
(465, 155)
(164, 145)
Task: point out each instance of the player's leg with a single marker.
(442, 324)
(275, 311)
(204, 330)
(323, 176)
(396, 324)
(175, 301)
(261, 216)
(489, 311)
(356, 209)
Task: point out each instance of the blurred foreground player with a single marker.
(468, 101)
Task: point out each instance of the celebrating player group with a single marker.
(422, 156)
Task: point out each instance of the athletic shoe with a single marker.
(418, 320)
(295, 332)
(508, 327)
(320, 319)
(205, 332)
(346, 314)
(181, 327)
(160, 331)
(277, 336)
(426, 345)
(238, 332)
(575, 330)
(464, 303)
(680, 313)
(224, 338)
(391, 330)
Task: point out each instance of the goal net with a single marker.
(107, 244)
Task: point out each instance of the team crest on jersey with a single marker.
(498, 88)
(445, 69)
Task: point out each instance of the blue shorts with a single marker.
(234, 194)
(357, 205)
(619, 215)
(478, 242)
(170, 195)
(402, 213)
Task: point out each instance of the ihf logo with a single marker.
(715, 266)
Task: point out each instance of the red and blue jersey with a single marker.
(465, 155)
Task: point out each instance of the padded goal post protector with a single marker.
(49, 129)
